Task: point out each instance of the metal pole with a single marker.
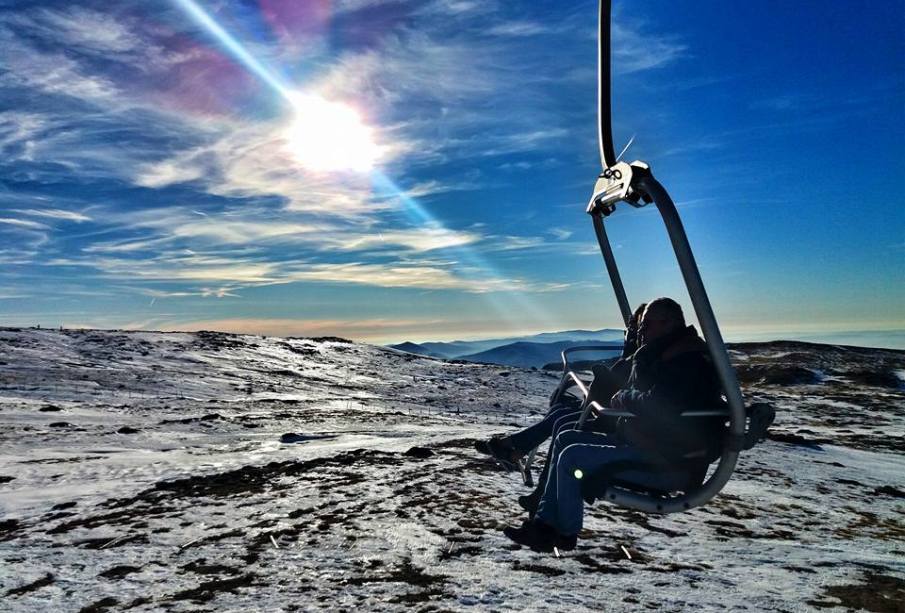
(699, 299)
(610, 260)
(604, 127)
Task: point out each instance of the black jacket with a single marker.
(669, 376)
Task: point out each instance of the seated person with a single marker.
(671, 373)
(510, 449)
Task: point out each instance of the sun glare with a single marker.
(330, 136)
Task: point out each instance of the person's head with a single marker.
(635, 321)
(661, 317)
(631, 332)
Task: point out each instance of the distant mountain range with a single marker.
(525, 351)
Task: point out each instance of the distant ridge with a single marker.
(527, 355)
(417, 349)
(461, 349)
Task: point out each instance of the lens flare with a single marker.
(235, 48)
(329, 136)
(578, 473)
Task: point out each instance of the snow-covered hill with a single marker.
(145, 471)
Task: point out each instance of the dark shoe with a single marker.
(540, 537)
(531, 501)
(501, 450)
(566, 542)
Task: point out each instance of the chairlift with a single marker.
(642, 487)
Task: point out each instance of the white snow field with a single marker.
(145, 472)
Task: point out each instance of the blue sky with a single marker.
(149, 177)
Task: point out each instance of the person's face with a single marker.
(653, 326)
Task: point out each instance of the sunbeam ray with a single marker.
(236, 49)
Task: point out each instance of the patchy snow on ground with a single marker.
(148, 471)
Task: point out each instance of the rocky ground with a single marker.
(147, 471)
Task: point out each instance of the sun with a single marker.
(330, 136)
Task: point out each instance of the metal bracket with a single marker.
(616, 184)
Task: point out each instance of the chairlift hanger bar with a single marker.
(635, 184)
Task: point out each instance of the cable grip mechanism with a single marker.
(616, 184)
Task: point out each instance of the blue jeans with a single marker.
(569, 422)
(562, 505)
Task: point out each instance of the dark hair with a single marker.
(669, 309)
(636, 316)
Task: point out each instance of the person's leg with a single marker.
(567, 422)
(509, 449)
(546, 532)
(532, 436)
(563, 505)
(547, 509)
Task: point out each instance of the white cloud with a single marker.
(634, 50)
(518, 28)
(255, 161)
(20, 129)
(54, 214)
(204, 292)
(23, 223)
(51, 73)
(81, 28)
(418, 240)
(414, 276)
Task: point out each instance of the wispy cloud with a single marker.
(54, 214)
(635, 50)
(518, 28)
(23, 223)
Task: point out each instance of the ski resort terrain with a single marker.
(147, 471)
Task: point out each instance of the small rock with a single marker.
(118, 572)
(46, 580)
(6, 478)
(794, 439)
(60, 424)
(292, 437)
(419, 452)
(888, 490)
(102, 605)
(50, 408)
(128, 430)
(874, 378)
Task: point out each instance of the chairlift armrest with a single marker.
(706, 413)
(579, 383)
(565, 352)
(606, 412)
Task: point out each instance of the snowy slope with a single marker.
(144, 471)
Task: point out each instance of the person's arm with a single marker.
(678, 381)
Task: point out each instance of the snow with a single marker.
(197, 503)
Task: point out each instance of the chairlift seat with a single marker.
(647, 478)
